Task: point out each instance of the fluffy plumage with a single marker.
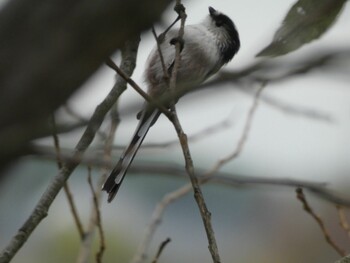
(207, 47)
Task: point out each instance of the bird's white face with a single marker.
(225, 33)
(210, 22)
(215, 27)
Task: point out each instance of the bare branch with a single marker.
(235, 180)
(165, 71)
(291, 108)
(66, 187)
(343, 220)
(252, 73)
(86, 245)
(160, 250)
(184, 190)
(198, 195)
(308, 209)
(137, 88)
(264, 71)
(98, 222)
(319, 189)
(245, 133)
(80, 118)
(200, 135)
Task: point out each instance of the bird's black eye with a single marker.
(219, 22)
(219, 19)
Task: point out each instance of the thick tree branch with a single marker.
(50, 48)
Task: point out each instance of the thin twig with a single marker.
(291, 108)
(160, 249)
(80, 118)
(180, 9)
(198, 195)
(98, 222)
(161, 37)
(165, 71)
(308, 209)
(159, 40)
(66, 187)
(245, 133)
(137, 88)
(74, 114)
(184, 190)
(318, 60)
(343, 220)
(87, 243)
(197, 136)
(318, 188)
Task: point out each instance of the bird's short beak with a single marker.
(212, 11)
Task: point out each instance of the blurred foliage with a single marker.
(306, 21)
(64, 246)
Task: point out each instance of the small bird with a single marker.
(205, 48)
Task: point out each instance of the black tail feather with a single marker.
(115, 179)
(111, 186)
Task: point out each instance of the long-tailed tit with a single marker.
(207, 46)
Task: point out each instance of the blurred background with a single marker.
(252, 223)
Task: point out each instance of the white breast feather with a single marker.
(199, 58)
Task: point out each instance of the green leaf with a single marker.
(307, 20)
